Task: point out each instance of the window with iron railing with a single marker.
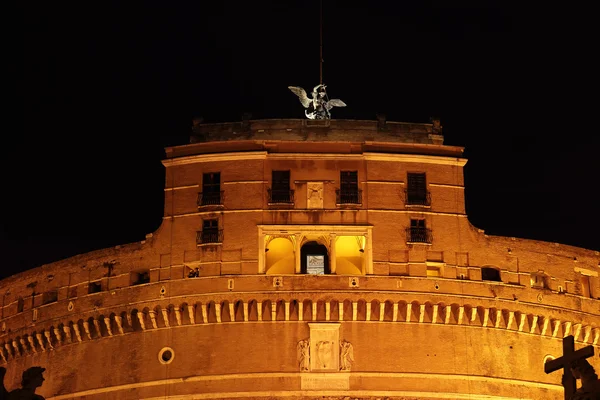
(418, 233)
(416, 193)
(280, 192)
(348, 193)
(211, 194)
(281, 196)
(210, 232)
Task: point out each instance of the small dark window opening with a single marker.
(280, 189)
(416, 190)
(210, 231)
(73, 291)
(490, 274)
(20, 305)
(95, 287)
(140, 278)
(50, 297)
(211, 189)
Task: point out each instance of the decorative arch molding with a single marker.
(289, 307)
(324, 234)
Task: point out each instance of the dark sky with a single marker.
(103, 87)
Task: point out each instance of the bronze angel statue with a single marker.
(317, 106)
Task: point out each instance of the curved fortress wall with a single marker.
(301, 259)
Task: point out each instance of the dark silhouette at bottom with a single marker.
(32, 379)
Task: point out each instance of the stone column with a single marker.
(261, 252)
(368, 268)
(332, 260)
(297, 248)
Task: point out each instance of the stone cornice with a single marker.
(199, 158)
(414, 158)
(274, 306)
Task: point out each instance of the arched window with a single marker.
(490, 274)
(314, 259)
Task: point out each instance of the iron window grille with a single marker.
(348, 196)
(209, 237)
(280, 196)
(348, 193)
(416, 193)
(210, 232)
(210, 199)
(418, 233)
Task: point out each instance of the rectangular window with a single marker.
(538, 280)
(280, 187)
(210, 231)
(211, 189)
(50, 297)
(585, 285)
(94, 287)
(20, 305)
(349, 192)
(416, 190)
(140, 277)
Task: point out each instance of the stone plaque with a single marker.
(324, 347)
(325, 382)
(314, 192)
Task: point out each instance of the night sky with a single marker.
(102, 88)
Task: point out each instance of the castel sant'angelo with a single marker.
(306, 259)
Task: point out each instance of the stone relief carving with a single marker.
(324, 354)
(346, 355)
(303, 349)
(314, 192)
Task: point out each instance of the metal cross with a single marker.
(564, 362)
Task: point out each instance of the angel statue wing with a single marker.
(334, 103)
(301, 93)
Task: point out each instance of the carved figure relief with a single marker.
(324, 354)
(346, 355)
(303, 349)
(314, 192)
(324, 347)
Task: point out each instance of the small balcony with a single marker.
(417, 198)
(210, 199)
(348, 197)
(418, 235)
(281, 197)
(209, 237)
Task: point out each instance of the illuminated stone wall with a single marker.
(422, 319)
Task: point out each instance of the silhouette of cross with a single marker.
(564, 362)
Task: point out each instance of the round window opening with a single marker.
(166, 355)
